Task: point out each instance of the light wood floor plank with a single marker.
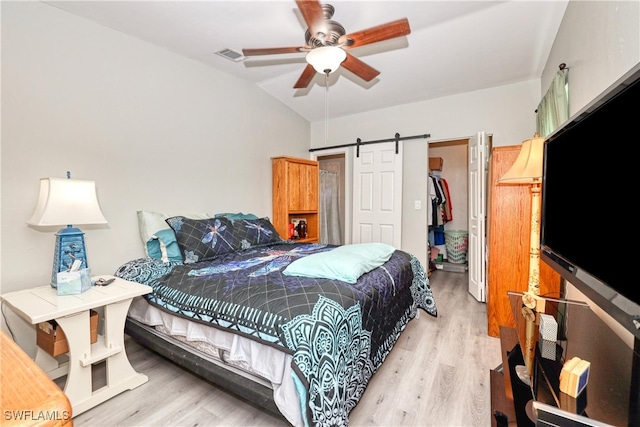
(436, 375)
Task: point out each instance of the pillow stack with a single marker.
(161, 241)
(205, 239)
(158, 238)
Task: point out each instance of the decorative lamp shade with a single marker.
(67, 201)
(527, 168)
(326, 59)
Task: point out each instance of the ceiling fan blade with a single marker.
(313, 16)
(274, 50)
(305, 77)
(359, 68)
(379, 33)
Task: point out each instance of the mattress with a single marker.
(261, 363)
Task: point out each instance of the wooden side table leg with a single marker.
(79, 383)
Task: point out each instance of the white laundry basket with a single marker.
(457, 242)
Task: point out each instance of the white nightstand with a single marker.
(71, 312)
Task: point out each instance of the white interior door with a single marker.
(477, 216)
(377, 194)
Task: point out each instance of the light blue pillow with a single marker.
(158, 238)
(163, 245)
(169, 245)
(153, 248)
(346, 263)
(237, 216)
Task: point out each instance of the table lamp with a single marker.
(527, 170)
(67, 201)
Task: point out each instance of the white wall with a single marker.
(154, 130)
(506, 112)
(599, 41)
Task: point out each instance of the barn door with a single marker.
(377, 194)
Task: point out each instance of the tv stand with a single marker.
(613, 390)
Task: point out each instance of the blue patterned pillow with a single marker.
(204, 239)
(254, 232)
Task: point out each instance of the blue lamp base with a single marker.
(69, 247)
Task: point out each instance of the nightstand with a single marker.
(71, 312)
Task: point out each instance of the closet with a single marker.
(508, 234)
(439, 212)
(448, 162)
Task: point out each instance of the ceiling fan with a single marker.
(327, 43)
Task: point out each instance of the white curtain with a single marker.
(330, 230)
(553, 110)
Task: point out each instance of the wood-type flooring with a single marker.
(436, 375)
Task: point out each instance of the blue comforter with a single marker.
(338, 333)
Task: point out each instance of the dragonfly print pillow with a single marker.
(205, 239)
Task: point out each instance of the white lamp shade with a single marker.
(527, 168)
(326, 59)
(65, 202)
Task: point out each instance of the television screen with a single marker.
(588, 207)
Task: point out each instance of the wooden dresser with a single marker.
(296, 195)
(27, 396)
(508, 231)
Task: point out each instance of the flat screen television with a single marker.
(589, 201)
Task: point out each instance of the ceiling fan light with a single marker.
(326, 59)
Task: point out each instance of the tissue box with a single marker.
(74, 282)
(548, 327)
(51, 338)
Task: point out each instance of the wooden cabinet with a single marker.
(508, 231)
(296, 194)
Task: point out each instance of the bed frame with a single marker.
(203, 366)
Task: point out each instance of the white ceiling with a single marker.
(454, 46)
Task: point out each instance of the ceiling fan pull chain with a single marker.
(326, 109)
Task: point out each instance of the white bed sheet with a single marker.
(266, 362)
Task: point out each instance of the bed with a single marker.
(297, 328)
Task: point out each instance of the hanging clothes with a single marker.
(441, 211)
(447, 214)
(437, 198)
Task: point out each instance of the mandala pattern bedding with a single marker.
(338, 333)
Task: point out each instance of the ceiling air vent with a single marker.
(231, 55)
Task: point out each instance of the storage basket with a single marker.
(456, 242)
